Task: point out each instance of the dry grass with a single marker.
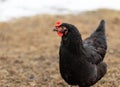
(29, 49)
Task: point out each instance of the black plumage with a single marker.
(81, 62)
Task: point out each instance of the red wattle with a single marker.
(60, 34)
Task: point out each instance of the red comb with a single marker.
(58, 23)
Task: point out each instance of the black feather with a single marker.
(101, 26)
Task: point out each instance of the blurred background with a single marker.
(29, 48)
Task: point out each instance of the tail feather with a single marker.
(100, 29)
(98, 39)
(101, 26)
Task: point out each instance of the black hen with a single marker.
(81, 62)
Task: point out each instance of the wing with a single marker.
(97, 43)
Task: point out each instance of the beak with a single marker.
(55, 29)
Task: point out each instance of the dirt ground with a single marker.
(29, 49)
